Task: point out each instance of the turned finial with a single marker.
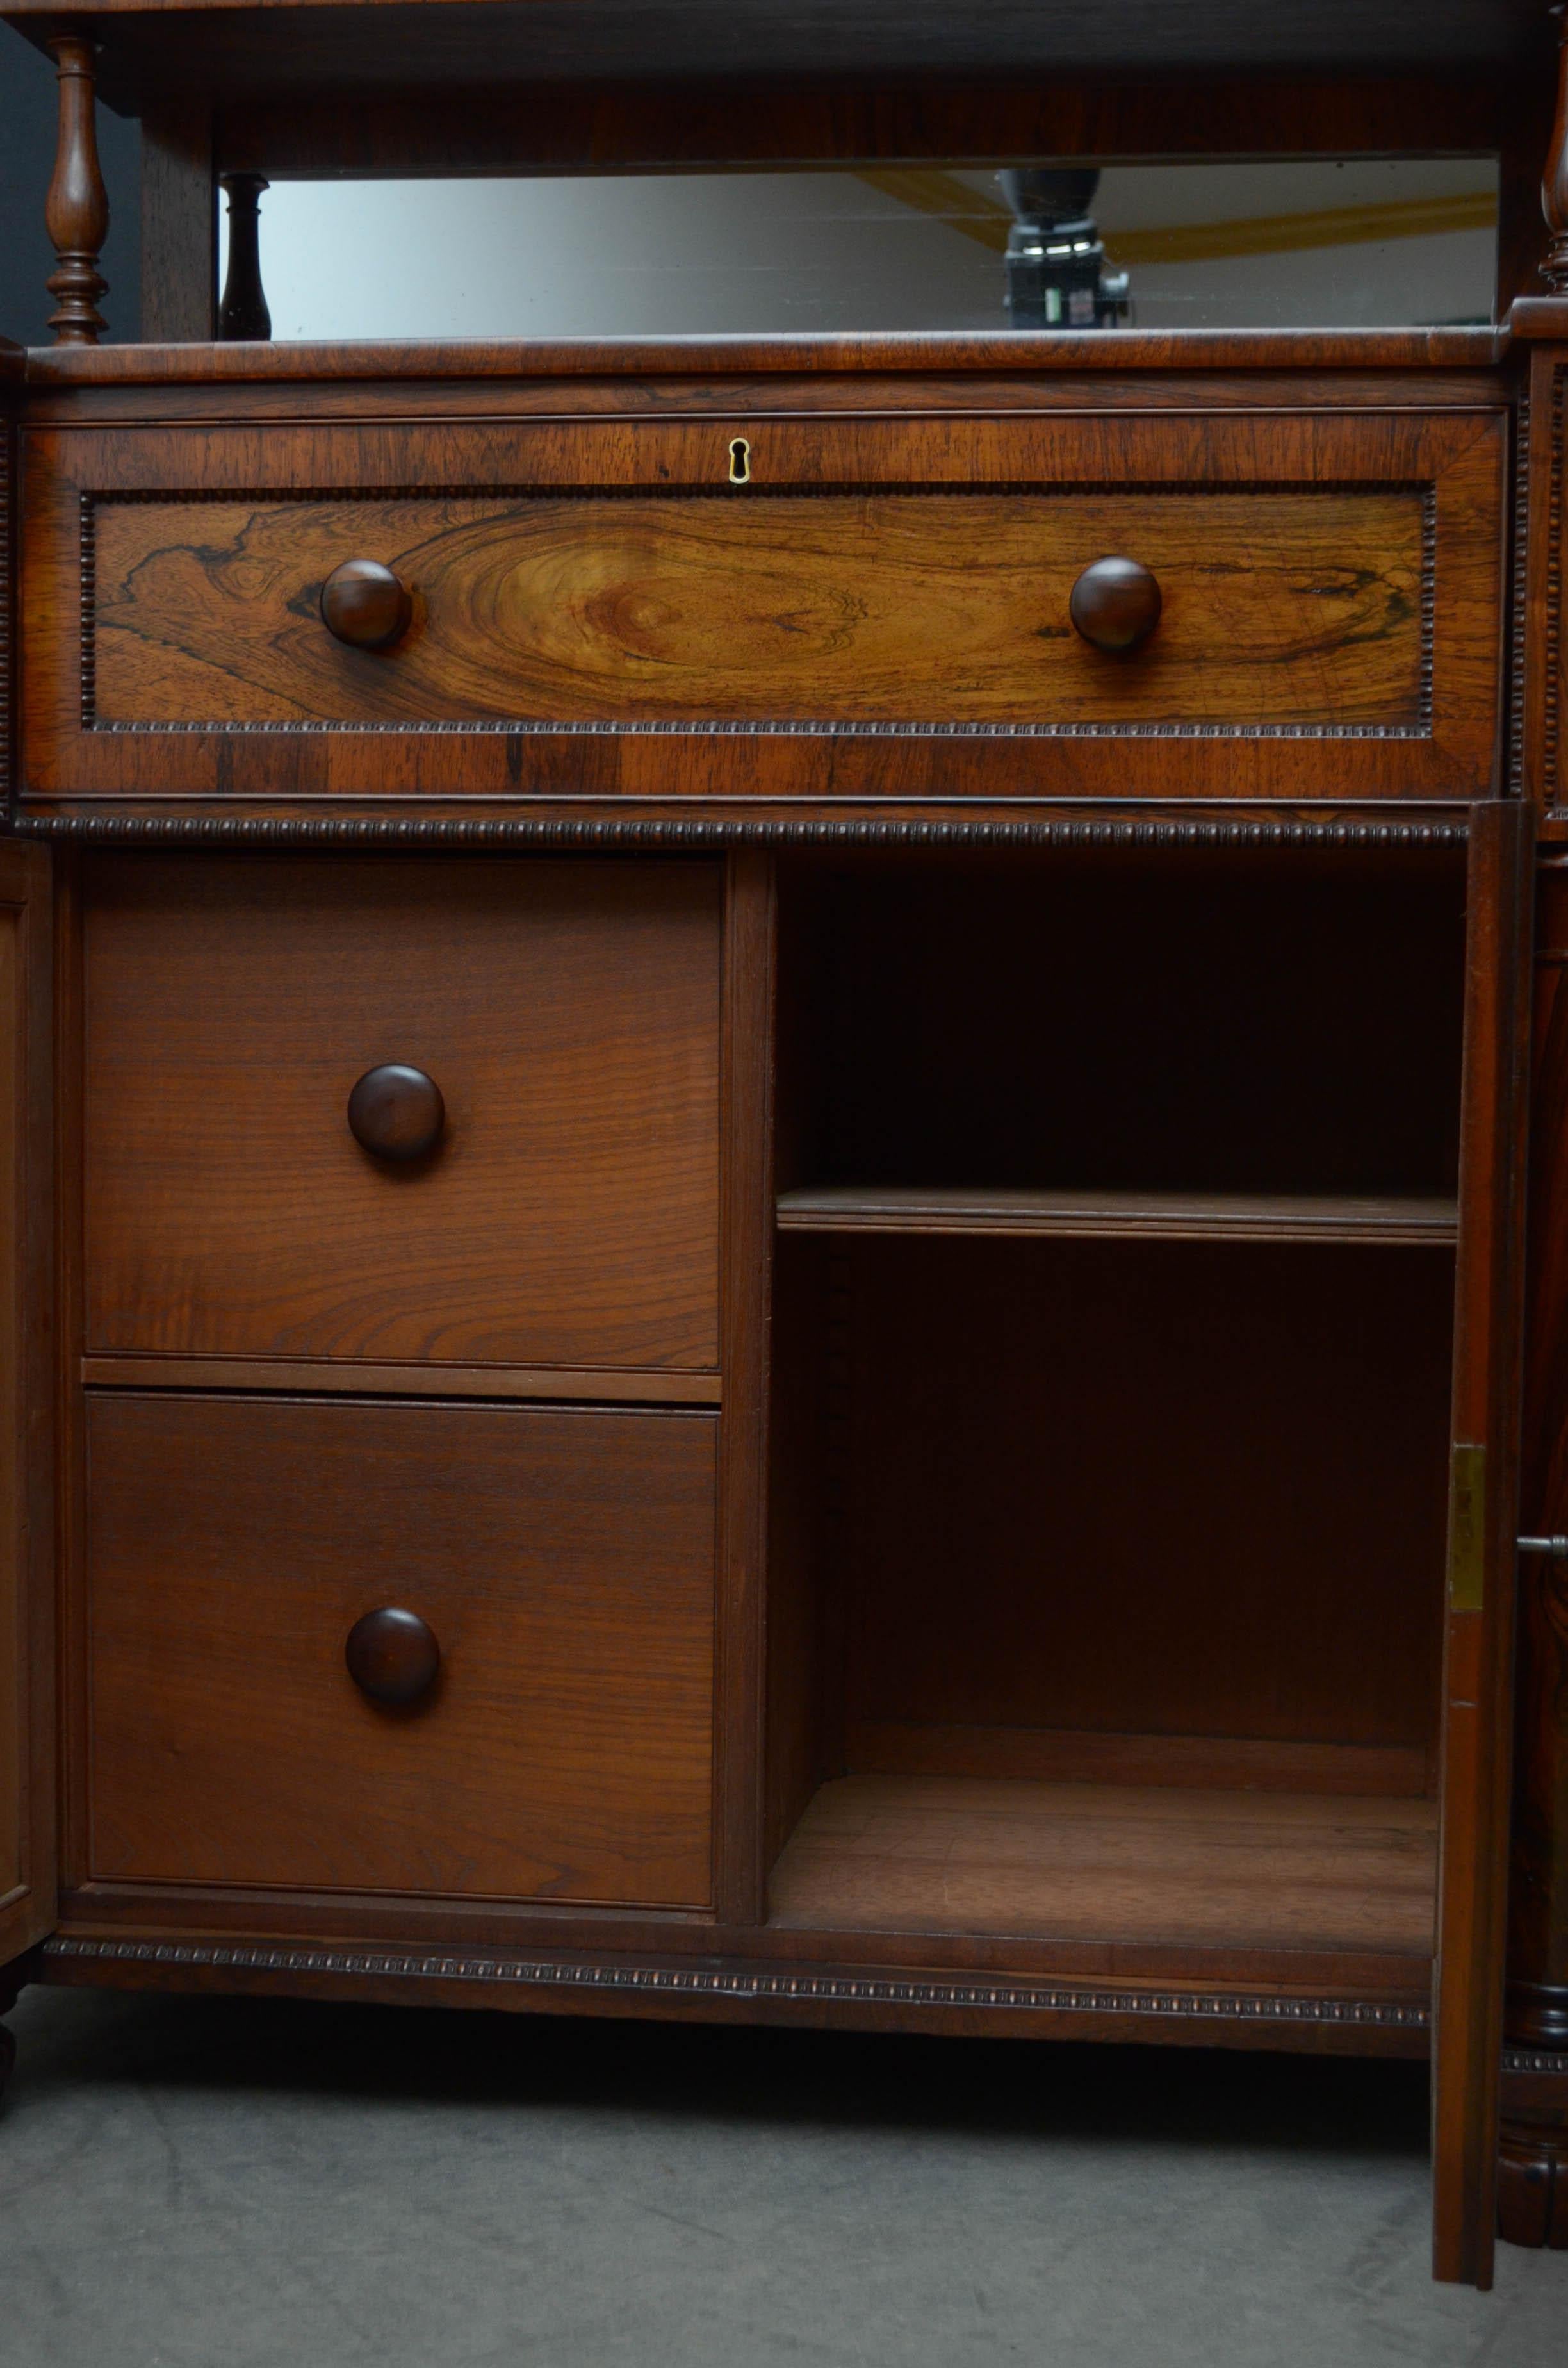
(1554, 188)
(242, 311)
(77, 210)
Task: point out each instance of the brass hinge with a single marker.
(1467, 1528)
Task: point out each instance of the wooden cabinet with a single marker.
(767, 1208)
(875, 1377)
(881, 1395)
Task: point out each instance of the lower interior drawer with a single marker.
(563, 1562)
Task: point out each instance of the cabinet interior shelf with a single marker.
(1149, 1215)
(1111, 1863)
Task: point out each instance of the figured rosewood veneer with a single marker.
(593, 587)
(918, 608)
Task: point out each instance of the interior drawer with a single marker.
(563, 1562)
(1331, 589)
(567, 1012)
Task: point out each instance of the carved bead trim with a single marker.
(703, 1981)
(1519, 639)
(705, 831)
(1549, 702)
(89, 610)
(1429, 606)
(1534, 2059)
(779, 727)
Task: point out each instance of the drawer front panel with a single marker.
(884, 610)
(568, 1014)
(563, 1562)
(1279, 609)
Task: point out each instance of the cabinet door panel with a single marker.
(26, 1498)
(1478, 1657)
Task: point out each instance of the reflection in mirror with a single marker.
(1366, 244)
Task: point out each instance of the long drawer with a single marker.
(760, 605)
(558, 1741)
(564, 1017)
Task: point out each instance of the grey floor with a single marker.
(233, 2184)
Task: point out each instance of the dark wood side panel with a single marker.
(1533, 2165)
(563, 1561)
(179, 221)
(27, 1411)
(1478, 1658)
(570, 1014)
(1537, 1934)
(656, 125)
(1144, 1488)
(746, 1281)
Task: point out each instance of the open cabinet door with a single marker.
(1483, 1488)
(27, 1393)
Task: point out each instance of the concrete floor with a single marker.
(231, 2183)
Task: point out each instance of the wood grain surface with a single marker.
(1478, 1656)
(1148, 1216)
(881, 612)
(1140, 1489)
(946, 1854)
(361, 1377)
(28, 1702)
(919, 608)
(568, 1011)
(1082, 1756)
(1183, 1041)
(565, 1563)
(1538, 1891)
(653, 124)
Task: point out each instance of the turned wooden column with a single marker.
(242, 311)
(77, 210)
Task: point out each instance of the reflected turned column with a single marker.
(244, 310)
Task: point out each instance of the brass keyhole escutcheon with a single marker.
(740, 462)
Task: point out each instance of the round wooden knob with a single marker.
(1116, 604)
(396, 1112)
(393, 1655)
(365, 605)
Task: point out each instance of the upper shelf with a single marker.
(240, 46)
(1147, 1215)
(1030, 354)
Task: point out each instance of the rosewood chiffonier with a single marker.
(786, 1212)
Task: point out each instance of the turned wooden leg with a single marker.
(242, 312)
(1532, 2198)
(77, 211)
(1532, 2171)
(10, 1989)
